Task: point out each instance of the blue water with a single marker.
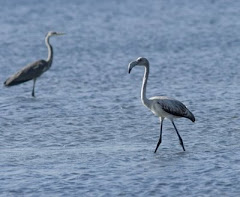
(87, 133)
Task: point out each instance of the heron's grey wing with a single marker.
(27, 73)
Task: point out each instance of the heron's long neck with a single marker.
(144, 99)
(50, 51)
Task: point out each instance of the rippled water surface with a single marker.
(87, 133)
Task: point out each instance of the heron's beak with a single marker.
(60, 33)
(131, 65)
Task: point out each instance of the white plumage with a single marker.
(161, 106)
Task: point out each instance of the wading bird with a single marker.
(34, 70)
(161, 106)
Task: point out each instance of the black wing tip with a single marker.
(12, 83)
(192, 118)
(5, 83)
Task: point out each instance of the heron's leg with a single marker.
(180, 139)
(160, 138)
(33, 92)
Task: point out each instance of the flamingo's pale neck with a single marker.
(144, 99)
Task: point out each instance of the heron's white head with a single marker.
(141, 61)
(53, 33)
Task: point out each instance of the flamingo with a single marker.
(161, 106)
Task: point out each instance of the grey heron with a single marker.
(34, 70)
(161, 106)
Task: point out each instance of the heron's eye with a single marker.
(139, 60)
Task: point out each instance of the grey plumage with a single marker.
(34, 70)
(175, 107)
(162, 106)
(29, 72)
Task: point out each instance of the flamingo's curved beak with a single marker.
(131, 65)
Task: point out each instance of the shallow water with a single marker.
(87, 133)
